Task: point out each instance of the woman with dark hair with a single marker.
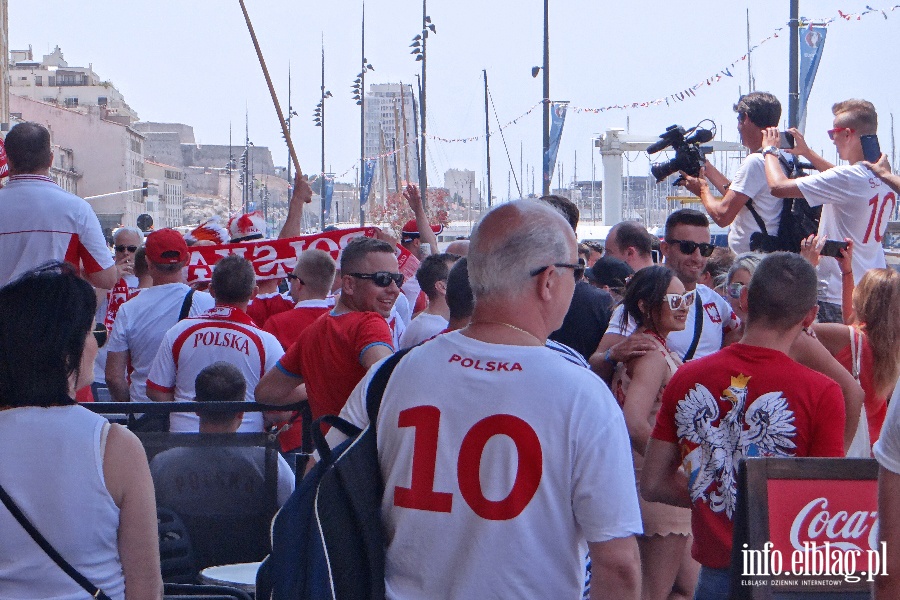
(657, 302)
(83, 484)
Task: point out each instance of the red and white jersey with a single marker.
(265, 306)
(856, 205)
(222, 333)
(500, 463)
(40, 222)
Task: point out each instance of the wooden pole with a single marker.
(262, 63)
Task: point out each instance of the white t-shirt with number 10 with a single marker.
(856, 205)
(499, 463)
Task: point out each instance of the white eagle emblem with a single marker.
(765, 429)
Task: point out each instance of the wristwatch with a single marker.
(771, 150)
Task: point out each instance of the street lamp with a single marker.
(359, 94)
(319, 121)
(418, 49)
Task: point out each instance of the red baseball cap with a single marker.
(166, 247)
(411, 230)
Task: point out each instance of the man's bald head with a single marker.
(458, 247)
(511, 241)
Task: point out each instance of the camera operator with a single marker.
(856, 205)
(756, 111)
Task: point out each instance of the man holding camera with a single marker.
(748, 192)
(856, 203)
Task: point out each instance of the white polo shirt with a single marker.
(141, 324)
(40, 222)
(222, 333)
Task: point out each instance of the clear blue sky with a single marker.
(193, 62)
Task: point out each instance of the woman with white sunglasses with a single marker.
(655, 298)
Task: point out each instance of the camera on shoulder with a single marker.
(689, 156)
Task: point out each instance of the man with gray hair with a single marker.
(510, 490)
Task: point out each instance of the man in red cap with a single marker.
(142, 321)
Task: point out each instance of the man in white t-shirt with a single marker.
(887, 452)
(126, 242)
(40, 221)
(856, 204)
(432, 276)
(685, 250)
(748, 191)
(509, 491)
(142, 321)
(224, 333)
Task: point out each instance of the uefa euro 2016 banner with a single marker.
(274, 259)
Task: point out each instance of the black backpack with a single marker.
(798, 220)
(327, 539)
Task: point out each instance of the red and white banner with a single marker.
(274, 259)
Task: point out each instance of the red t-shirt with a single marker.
(263, 307)
(327, 355)
(876, 406)
(288, 325)
(740, 402)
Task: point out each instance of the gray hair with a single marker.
(747, 261)
(531, 235)
(129, 229)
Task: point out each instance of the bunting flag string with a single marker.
(687, 93)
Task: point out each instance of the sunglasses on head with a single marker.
(577, 270)
(734, 289)
(100, 334)
(381, 278)
(677, 301)
(292, 277)
(131, 249)
(687, 247)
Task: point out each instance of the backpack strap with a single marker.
(759, 222)
(379, 383)
(698, 327)
(186, 305)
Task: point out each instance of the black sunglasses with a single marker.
(100, 334)
(131, 249)
(687, 247)
(291, 276)
(577, 270)
(381, 278)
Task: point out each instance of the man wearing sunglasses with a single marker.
(500, 456)
(749, 189)
(855, 203)
(333, 354)
(686, 251)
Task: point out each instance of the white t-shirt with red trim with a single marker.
(856, 205)
(718, 319)
(141, 324)
(222, 333)
(500, 463)
(40, 222)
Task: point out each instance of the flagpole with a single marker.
(262, 63)
(793, 66)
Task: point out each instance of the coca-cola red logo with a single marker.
(844, 513)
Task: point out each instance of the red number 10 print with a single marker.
(875, 226)
(421, 494)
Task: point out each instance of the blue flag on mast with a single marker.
(812, 42)
(327, 193)
(366, 185)
(557, 120)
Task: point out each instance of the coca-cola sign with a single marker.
(843, 513)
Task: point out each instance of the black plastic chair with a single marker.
(176, 553)
(181, 591)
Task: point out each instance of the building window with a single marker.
(51, 80)
(102, 101)
(38, 80)
(71, 102)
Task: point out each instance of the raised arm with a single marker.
(293, 223)
(426, 235)
(803, 150)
